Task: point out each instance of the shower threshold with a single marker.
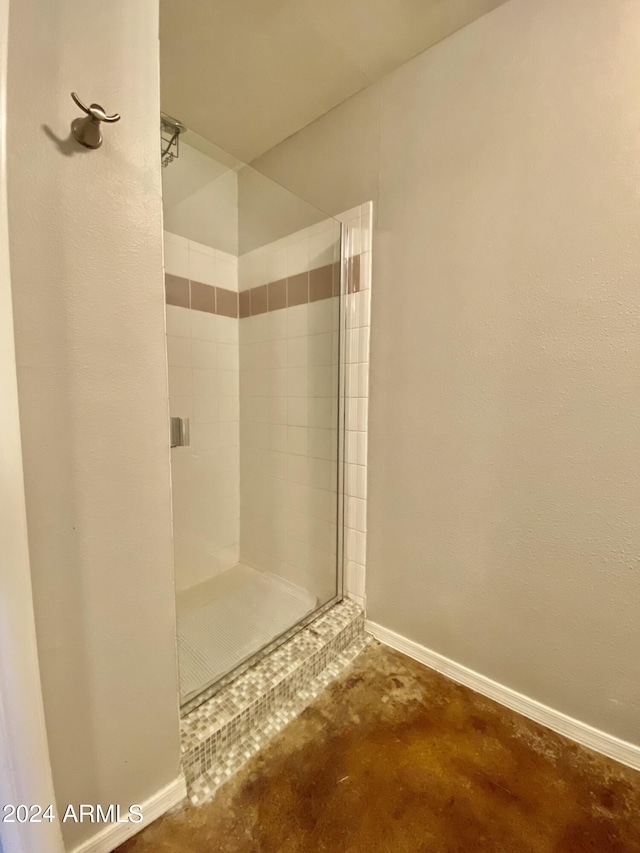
(221, 734)
(228, 619)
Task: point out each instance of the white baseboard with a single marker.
(114, 834)
(612, 747)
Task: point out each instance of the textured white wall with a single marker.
(504, 409)
(86, 259)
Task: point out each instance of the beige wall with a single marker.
(268, 212)
(86, 260)
(332, 163)
(200, 200)
(503, 486)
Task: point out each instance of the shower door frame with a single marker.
(223, 681)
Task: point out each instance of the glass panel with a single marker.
(253, 282)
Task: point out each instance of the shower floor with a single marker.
(227, 619)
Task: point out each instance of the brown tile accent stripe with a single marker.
(226, 302)
(244, 303)
(298, 289)
(277, 294)
(321, 283)
(203, 297)
(313, 286)
(259, 300)
(176, 290)
(200, 297)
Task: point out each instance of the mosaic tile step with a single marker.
(230, 727)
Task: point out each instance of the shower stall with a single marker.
(254, 277)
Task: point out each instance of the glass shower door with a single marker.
(253, 330)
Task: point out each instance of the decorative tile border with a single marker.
(200, 297)
(313, 286)
(221, 734)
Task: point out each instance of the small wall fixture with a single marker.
(170, 130)
(180, 432)
(87, 130)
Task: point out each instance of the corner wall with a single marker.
(86, 265)
(504, 410)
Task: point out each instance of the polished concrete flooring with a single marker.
(393, 758)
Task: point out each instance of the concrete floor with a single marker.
(394, 757)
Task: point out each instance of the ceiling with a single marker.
(246, 74)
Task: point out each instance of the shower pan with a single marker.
(253, 291)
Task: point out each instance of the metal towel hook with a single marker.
(87, 130)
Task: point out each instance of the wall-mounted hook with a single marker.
(87, 130)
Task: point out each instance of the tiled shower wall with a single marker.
(288, 408)
(256, 373)
(202, 345)
(289, 337)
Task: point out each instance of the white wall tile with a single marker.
(322, 246)
(206, 409)
(320, 381)
(202, 267)
(180, 381)
(204, 436)
(178, 321)
(176, 259)
(276, 264)
(178, 351)
(278, 410)
(229, 408)
(203, 325)
(297, 469)
(175, 239)
(365, 271)
(321, 349)
(297, 320)
(298, 411)
(228, 434)
(322, 443)
(278, 437)
(355, 580)
(297, 382)
(276, 324)
(226, 356)
(226, 329)
(298, 254)
(321, 317)
(321, 413)
(226, 274)
(228, 383)
(366, 226)
(181, 407)
(297, 440)
(205, 381)
(204, 354)
(297, 351)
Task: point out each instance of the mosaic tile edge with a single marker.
(219, 735)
